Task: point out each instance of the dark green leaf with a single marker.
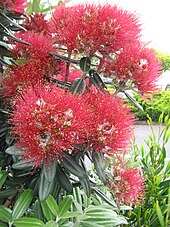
(38, 210)
(5, 52)
(22, 204)
(99, 164)
(78, 86)
(45, 187)
(28, 222)
(65, 204)
(133, 100)
(73, 167)
(7, 193)
(85, 64)
(11, 21)
(64, 58)
(3, 62)
(3, 176)
(104, 197)
(64, 180)
(86, 186)
(10, 36)
(23, 164)
(5, 213)
(96, 79)
(14, 150)
(49, 171)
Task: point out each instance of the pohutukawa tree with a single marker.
(58, 108)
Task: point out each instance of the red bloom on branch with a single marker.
(25, 75)
(48, 121)
(14, 5)
(111, 123)
(140, 65)
(127, 185)
(39, 45)
(36, 23)
(90, 28)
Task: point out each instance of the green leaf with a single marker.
(85, 64)
(65, 205)
(45, 186)
(104, 197)
(2, 224)
(38, 210)
(96, 79)
(7, 193)
(3, 62)
(5, 213)
(11, 21)
(73, 167)
(51, 224)
(70, 215)
(52, 205)
(134, 101)
(160, 215)
(22, 204)
(10, 36)
(28, 222)
(23, 164)
(5, 52)
(36, 6)
(99, 164)
(64, 180)
(86, 186)
(47, 212)
(14, 150)
(49, 171)
(77, 86)
(3, 176)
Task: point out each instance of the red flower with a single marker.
(127, 185)
(48, 121)
(39, 45)
(90, 28)
(14, 5)
(111, 123)
(36, 23)
(140, 65)
(25, 75)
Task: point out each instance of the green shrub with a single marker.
(155, 209)
(160, 103)
(165, 60)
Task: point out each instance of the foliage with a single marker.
(155, 210)
(71, 210)
(165, 60)
(159, 103)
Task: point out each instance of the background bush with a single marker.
(160, 103)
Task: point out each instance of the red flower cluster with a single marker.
(90, 28)
(14, 5)
(127, 185)
(36, 23)
(48, 121)
(38, 46)
(111, 123)
(140, 65)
